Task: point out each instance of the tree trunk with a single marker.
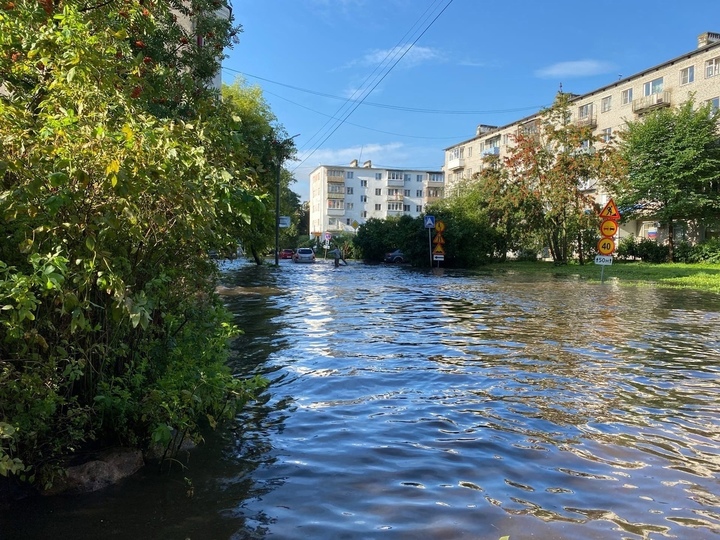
(671, 242)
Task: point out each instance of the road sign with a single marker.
(440, 226)
(438, 250)
(610, 211)
(438, 257)
(608, 227)
(328, 236)
(284, 222)
(604, 260)
(606, 246)
(429, 222)
(438, 239)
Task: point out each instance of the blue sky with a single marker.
(423, 74)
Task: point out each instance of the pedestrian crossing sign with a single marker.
(429, 222)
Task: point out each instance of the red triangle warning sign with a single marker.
(610, 211)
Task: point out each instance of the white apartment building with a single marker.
(607, 110)
(343, 198)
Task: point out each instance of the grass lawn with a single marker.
(704, 277)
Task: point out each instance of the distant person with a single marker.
(338, 256)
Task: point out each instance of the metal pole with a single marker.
(277, 207)
(430, 246)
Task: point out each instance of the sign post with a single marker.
(430, 224)
(606, 245)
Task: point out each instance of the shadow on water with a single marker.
(412, 404)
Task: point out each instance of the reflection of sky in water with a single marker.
(574, 405)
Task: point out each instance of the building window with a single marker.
(418, 208)
(687, 75)
(395, 175)
(626, 96)
(407, 177)
(395, 206)
(378, 191)
(712, 67)
(653, 87)
(349, 174)
(393, 192)
(406, 207)
(435, 177)
(456, 153)
(378, 176)
(363, 198)
(607, 135)
(419, 177)
(714, 104)
(469, 151)
(378, 207)
(363, 183)
(335, 204)
(506, 139)
(585, 111)
(364, 214)
(418, 193)
(347, 221)
(606, 104)
(334, 172)
(406, 193)
(349, 191)
(349, 206)
(334, 188)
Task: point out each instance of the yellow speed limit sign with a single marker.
(606, 246)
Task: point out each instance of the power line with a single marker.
(384, 105)
(357, 103)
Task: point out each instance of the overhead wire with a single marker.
(383, 105)
(377, 79)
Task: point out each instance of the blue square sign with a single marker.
(429, 222)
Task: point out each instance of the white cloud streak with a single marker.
(575, 69)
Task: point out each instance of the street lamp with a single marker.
(280, 147)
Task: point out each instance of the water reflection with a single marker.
(408, 404)
(426, 406)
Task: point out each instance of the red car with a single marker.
(286, 254)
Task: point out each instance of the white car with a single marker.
(305, 255)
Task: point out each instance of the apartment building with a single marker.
(343, 198)
(607, 110)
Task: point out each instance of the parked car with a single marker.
(396, 256)
(286, 254)
(304, 255)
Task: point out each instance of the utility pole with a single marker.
(280, 148)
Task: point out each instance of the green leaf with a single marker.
(70, 75)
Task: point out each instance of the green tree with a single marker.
(672, 165)
(120, 169)
(552, 160)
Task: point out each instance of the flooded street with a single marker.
(408, 405)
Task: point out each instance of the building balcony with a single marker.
(395, 198)
(492, 151)
(457, 163)
(336, 179)
(589, 120)
(431, 199)
(336, 211)
(397, 182)
(648, 103)
(336, 195)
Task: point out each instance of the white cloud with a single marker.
(409, 57)
(577, 68)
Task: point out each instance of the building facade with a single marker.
(343, 198)
(695, 74)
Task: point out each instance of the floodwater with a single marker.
(407, 404)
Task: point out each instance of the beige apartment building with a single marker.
(343, 198)
(607, 110)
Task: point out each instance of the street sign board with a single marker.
(608, 227)
(604, 260)
(606, 246)
(429, 222)
(438, 257)
(438, 250)
(284, 222)
(610, 211)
